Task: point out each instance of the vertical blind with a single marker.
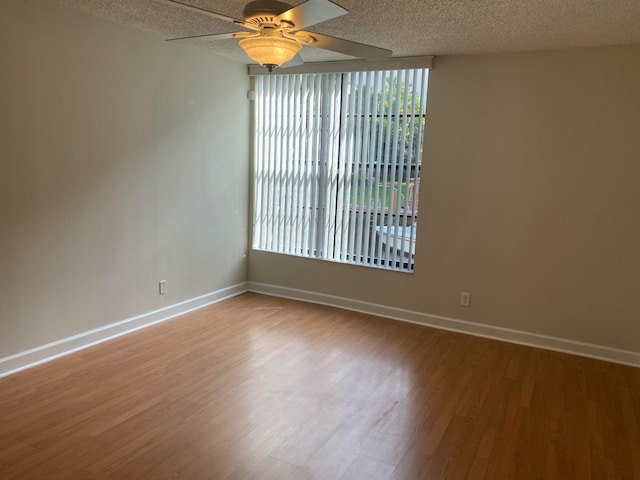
(337, 165)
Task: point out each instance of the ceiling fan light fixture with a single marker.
(270, 51)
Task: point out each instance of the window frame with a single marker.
(403, 264)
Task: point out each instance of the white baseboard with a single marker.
(599, 352)
(45, 353)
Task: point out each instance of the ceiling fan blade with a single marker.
(347, 47)
(211, 36)
(310, 13)
(202, 11)
(294, 62)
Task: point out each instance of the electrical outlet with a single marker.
(465, 299)
(162, 287)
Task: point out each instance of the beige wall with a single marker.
(123, 161)
(530, 200)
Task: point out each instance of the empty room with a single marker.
(319, 240)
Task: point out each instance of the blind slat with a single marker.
(295, 170)
(374, 190)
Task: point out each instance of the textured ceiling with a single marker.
(407, 27)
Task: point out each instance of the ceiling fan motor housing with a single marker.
(260, 12)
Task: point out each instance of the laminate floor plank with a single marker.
(259, 387)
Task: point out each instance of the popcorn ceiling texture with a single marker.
(407, 27)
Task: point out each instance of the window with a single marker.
(337, 165)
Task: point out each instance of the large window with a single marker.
(337, 165)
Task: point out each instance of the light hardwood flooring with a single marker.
(266, 388)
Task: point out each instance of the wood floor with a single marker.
(265, 388)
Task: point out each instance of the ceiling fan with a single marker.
(275, 37)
